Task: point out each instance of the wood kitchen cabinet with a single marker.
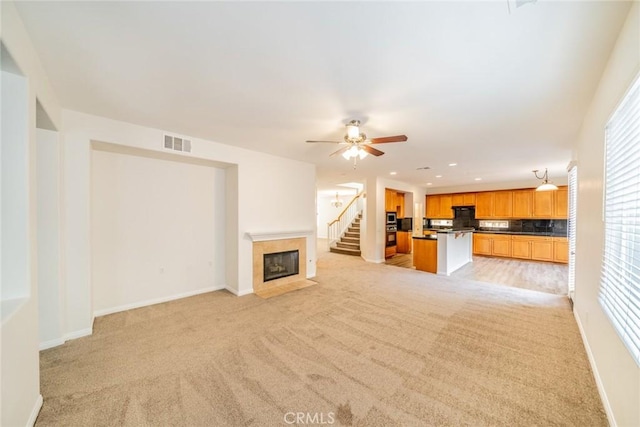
(522, 204)
(494, 204)
(561, 203)
(445, 206)
(541, 248)
(404, 241)
(400, 204)
(520, 247)
(492, 244)
(560, 249)
(463, 199)
(502, 204)
(537, 248)
(432, 209)
(484, 205)
(439, 206)
(482, 244)
(543, 204)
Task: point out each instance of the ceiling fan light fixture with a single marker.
(353, 129)
(546, 184)
(354, 151)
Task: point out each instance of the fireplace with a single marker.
(279, 260)
(280, 264)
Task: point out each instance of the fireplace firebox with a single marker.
(280, 264)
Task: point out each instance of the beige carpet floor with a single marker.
(369, 345)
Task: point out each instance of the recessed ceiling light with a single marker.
(438, 176)
(429, 183)
(453, 164)
(392, 173)
(478, 179)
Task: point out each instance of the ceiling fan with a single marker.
(357, 144)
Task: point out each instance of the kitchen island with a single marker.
(443, 252)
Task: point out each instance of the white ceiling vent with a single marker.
(176, 143)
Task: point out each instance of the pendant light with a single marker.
(546, 184)
(336, 203)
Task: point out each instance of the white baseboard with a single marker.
(374, 261)
(35, 411)
(139, 304)
(79, 334)
(51, 343)
(239, 293)
(596, 374)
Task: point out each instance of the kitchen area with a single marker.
(521, 224)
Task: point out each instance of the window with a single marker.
(620, 280)
(573, 206)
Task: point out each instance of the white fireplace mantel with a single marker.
(278, 235)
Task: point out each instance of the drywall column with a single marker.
(49, 278)
(20, 369)
(372, 240)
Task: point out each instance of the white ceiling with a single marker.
(500, 93)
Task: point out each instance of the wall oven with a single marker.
(390, 236)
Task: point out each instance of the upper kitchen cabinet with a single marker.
(494, 204)
(543, 204)
(503, 204)
(400, 204)
(463, 199)
(439, 206)
(446, 202)
(560, 203)
(522, 204)
(484, 205)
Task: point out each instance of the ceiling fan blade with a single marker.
(372, 150)
(328, 142)
(340, 151)
(384, 139)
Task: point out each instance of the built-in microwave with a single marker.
(392, 218)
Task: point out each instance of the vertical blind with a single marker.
(573, 199)
(620, 279)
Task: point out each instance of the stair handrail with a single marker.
(338, 226)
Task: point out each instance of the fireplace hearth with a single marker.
(280, 264)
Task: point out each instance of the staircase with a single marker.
(349, 243)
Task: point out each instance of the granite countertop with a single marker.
(427, 237)
(524, 233)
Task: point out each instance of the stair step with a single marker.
(354, 229)
(348, 239)
(344, 251)
(347, 245)
(352, 234)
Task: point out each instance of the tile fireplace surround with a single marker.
(266, 243)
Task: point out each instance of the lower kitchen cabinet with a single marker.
(537, 248)
(542, 248)
(492, 244)
(520, 247)
(404, 242)
(501, 246)
(561, 250)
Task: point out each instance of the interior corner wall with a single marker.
(271, 194)
(617, 374)
(158, 229)
(49, 256)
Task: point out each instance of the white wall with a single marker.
(617, 374)
(20, 377)
(266, 193)
(327, 212)
(158, 229)
(50, 284)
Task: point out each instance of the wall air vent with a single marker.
(177, 144)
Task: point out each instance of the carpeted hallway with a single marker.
(369, 345)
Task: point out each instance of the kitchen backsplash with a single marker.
(555, 226)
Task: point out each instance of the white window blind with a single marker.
(620, 281)
(573, 199)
